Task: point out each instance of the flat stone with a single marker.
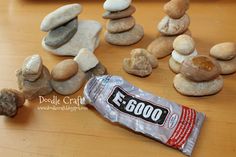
(180, 58)
(61, 34)
(200, 68)
(125, 38)
(228, 67)
(32, 67)
(119, 14)
(139, 64)
(71, 85)
(64, 70)
(39, 87)
(184, 44)
(60, 16)
(174, 66)
(176, 8)
(117, 5)
(191, 88)
(120, 25)
(224, 51)
(169, 26)
(87, 36)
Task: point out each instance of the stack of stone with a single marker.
(199, 76)
(121, 27)
(225, 54)
(175, 23)
(184, 46)
(34, 78)
(66, 35)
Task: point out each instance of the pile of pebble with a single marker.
(121, 26)
(199, 76)
(184, 46)
(141, 63)
(175, 23)
(66, 35)
(225, 54)
(34, 78)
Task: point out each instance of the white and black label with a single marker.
(136, 107)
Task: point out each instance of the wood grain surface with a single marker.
(84, 133)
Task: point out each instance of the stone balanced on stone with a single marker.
(175, 23)
(66, 34)
(121, 27)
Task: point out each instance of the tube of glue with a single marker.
(117, 100)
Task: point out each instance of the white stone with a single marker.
(180, 58)
(60, 16)
(116, 5)
(87, 36)
(86, 60)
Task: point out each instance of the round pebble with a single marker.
(191, 88)
(176, 8)
(184, 44)
(224, 51)
(64, 70)
(125, 38)
(200, 68)
(120, 25)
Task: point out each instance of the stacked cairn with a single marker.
(225, 54)
(199, 76)
(184, 46)
(34, 78)
(175, 23)
(66, 35)
(121, 27)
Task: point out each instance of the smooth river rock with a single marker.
(125, 38)
(176, 8)
(119, 14)
(174, 66)
(60, 16)
(87, 36)
(191, 88)
(224, 51)
(228, 67)
(116, 5)
(120, 25)
(62, 34)
(184, 44)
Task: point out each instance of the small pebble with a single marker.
(176, 8)
(64, 70)
(62, 34)
(60, 16)
(120, 25)
(116, 5)
(119, 14)
(228, 67)
(224, 51)
(125, 38)
(200, 68)
(184, 44)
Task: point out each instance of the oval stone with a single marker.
(191, 88)
(200, 68)
(116, 5)
(224, 51)
(228, 67)
(176, 8)
(119, 14)
(184, 44)
(125, 38)
(120, 25)
(169, 26)
(64, 70)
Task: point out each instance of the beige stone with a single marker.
(176, 8)
(184, 44)
(64, 70)
(228, 67)
(119, 14)
(174, 66)
(191, 88)
(224, 51)
(120, 25)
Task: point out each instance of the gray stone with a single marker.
(116, 5)
(87, 36)
(98, 70)
(125, 38)
(60, 16)
(61, 34)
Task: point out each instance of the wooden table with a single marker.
(34, 132)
